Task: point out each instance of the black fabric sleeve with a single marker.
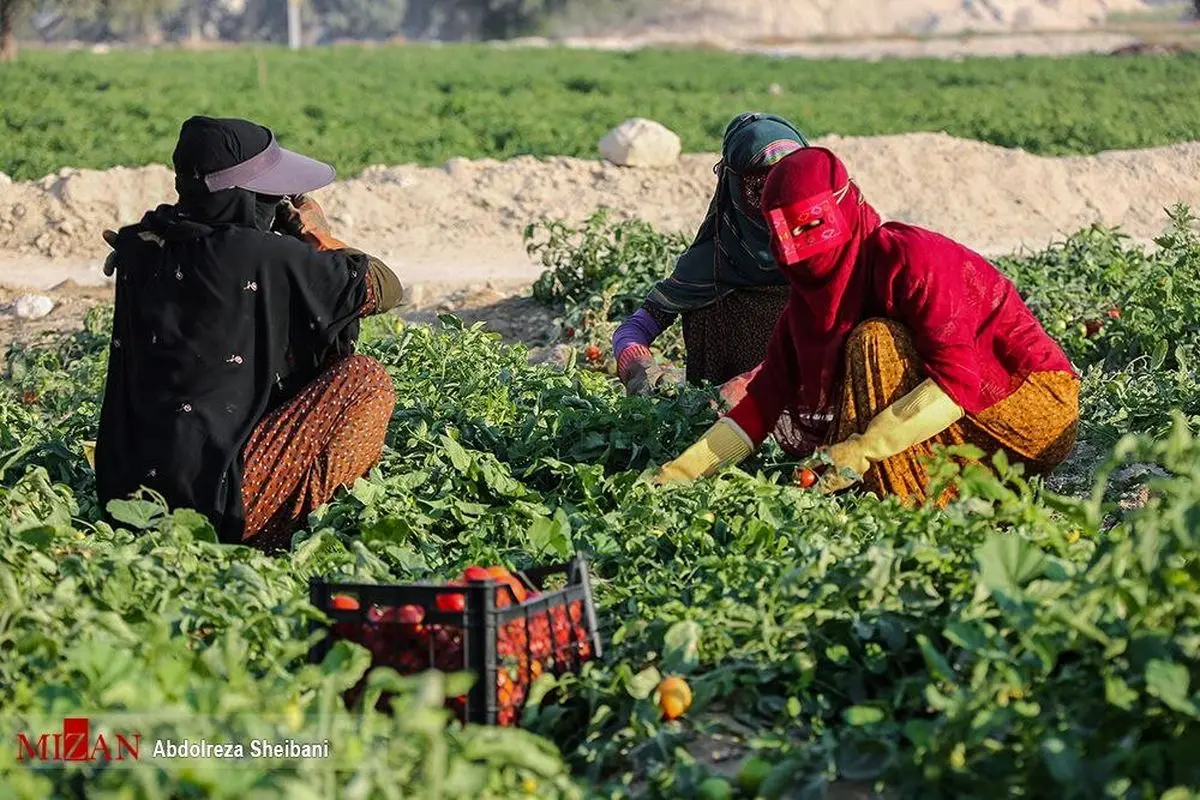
(328, 287)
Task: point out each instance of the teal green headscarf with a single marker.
(731, 250)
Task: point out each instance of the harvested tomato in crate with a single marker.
(506, 628)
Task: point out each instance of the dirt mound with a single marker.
(462, 223)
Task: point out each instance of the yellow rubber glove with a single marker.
(921, 414)
(723, 444)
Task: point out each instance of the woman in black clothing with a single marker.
(233, 387)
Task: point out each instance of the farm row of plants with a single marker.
(1022, 642)
(420, 104)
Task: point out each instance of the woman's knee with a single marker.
(368, 374)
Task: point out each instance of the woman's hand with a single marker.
(722, 445)
(644, 376)
(734, 389)
(302, 217)
(832, 469)
(110, 263)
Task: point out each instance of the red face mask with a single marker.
(808, 228)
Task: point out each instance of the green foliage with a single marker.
(600, 274)
(419, 104)
(163, 631)
(1018, 642)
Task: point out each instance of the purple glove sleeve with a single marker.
(640, 328)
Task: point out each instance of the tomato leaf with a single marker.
(681, 647)
(1169, 682)
(643, 684)
(137, 514)
(1007, 562)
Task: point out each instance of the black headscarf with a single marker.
(732, 248)
(218, 321)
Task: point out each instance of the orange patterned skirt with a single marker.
(1036, 425)
(327, 436)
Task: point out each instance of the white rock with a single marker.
(775, 88)
(32, 306)
(641, 143)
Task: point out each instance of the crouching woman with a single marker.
(907, 338)
(232, 386)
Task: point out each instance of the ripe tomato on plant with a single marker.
(593, 353)
(674, 697)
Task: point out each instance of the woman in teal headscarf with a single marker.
(726, 286)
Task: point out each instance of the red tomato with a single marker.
(806, 478)
(447, 649)
(452, 603)
(1114, 313)
(1092, 327)
(408, 662)
(410, 615)
(343, 602)
(593, 353)
(476, 574)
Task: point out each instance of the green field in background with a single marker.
(424, 104)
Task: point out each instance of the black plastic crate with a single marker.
(506, 643)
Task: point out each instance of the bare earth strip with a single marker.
(461, 224)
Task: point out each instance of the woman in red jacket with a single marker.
(908, 338)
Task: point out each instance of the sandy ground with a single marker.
(461, 225)
(454, 233)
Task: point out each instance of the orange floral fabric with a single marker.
(326, 437)
(1035, 425)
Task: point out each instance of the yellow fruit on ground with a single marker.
(674, 697)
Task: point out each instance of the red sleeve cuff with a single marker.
(750, 419)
